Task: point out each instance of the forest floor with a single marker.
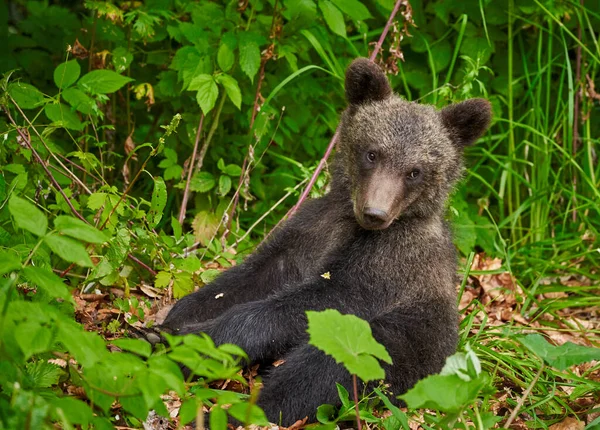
(493, 308)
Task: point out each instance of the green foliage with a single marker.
(110, 96)
(349, 340)
(561, 357)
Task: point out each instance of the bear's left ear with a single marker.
(467, 121)
(366, 82)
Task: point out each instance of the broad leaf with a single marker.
(79, 100)
(353, 8)
(208, 91)
(27, 216)
(103, 81)
(69, 250)
(333, 17)
(51, 283)
(249, 55)
(138, 346)
(9, 262)
(25, 95)
(66, 74)
(562, 357)
(446, 393)
(225, 57)
(224, 184)
(348, 339)
(78, 229)
(232, 88)
(202, 182)
(62, 114)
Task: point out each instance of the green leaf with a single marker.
(333, 17)
(202, 182)
(233, 170)
(249, 55)
(348, 339)
(224, 184)
(88, 348)
(137, 346)
(353, 8)
(63, 115)
(446, 393)
(52, 284)
(121, 59)
(79, 100)
(25, 95)
(9, 262)
(232, 88)
(103, 81)
(69, 250)
(66, 74)
(182, 284)
(218, 419)
(76, 411)
(208, 91)
(209, 275)
(246, 411)
(225, 57)
(158, 203)
(33, 338)
(27, 216)
(78, 229)
(561, 357)
(162, 279)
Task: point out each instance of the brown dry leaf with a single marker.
(594, 415)
(78, 50)
(568, 424)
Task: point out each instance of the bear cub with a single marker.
(380, 233)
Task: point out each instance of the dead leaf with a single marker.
(568, 424)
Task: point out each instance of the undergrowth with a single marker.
(148, 146)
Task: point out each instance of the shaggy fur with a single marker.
(381, 234)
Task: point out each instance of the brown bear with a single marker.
(380, 233)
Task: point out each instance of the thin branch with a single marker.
(355, 386)
(268, 54)
(334, 139)
(211, 132)
(186, 192)
(68, 171)
(27, 142)
(521, 401)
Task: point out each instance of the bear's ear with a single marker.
(366, 82)
(467, 121)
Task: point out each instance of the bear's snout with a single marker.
(374, 218)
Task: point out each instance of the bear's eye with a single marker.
(414, 174)
(371, 156)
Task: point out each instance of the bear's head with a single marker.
(400, 158)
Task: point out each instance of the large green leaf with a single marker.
(68, 249)
(561, 357)
(353, 8)
(66, 74)
(78, 229)
(225, 57)
(103, 81)
(9, 262)
(51, 283)
(208, 91)
(348, 339)
(446, 393)
(25, 95)
(27, 216)
(333, 17)
(33, 338)
(249, 55)
(232, 88)
(63, 115)
(79, 100)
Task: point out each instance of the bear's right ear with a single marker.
(366, 82)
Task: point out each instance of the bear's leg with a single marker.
(305, 381)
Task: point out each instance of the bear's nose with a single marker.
(374, 217)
